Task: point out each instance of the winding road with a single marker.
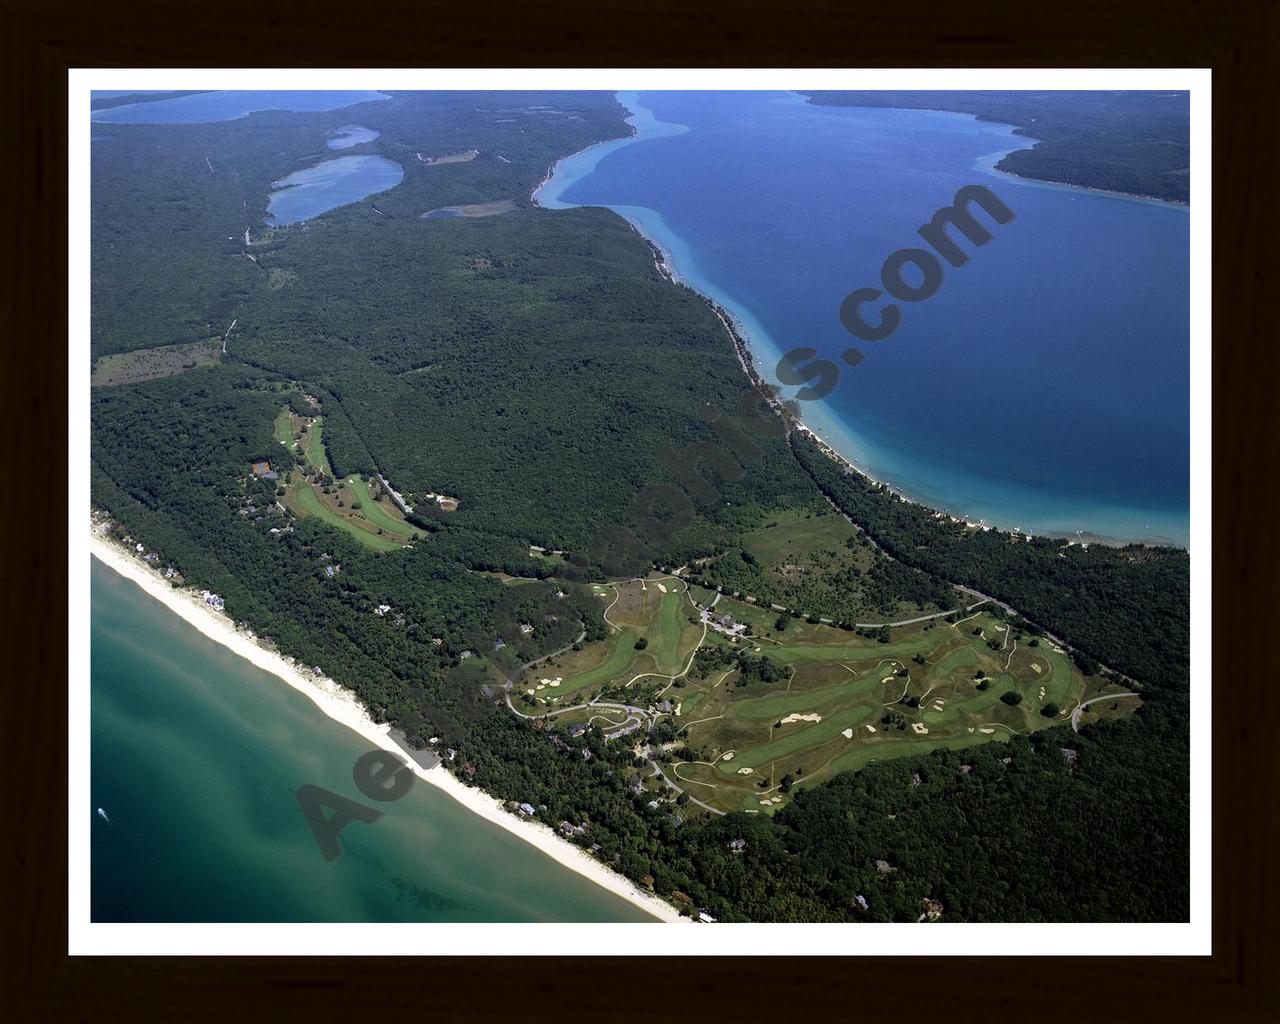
(1075, 715)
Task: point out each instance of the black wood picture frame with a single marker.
(1238, 39)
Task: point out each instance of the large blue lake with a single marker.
(1044, 386)
(196, 756)
(310, 192)
(228, 105)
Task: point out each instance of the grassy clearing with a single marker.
(490, 209)
(308, 501)
(154, 363)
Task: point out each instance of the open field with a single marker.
(814, 560)
(452, 158)
(489, 209)
(154, 363)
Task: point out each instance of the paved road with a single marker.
(657, 770)
(1075, 715)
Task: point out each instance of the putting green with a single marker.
(309, 501)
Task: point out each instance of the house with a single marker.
(861, 901)
(526, 809)
(705, 918)
(382, 609)
(577, 730)
(526, 628)
(262, 469)
(665, 707)
(332, 570)
(213, 600)
(737, 845)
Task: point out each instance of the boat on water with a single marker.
(103, 814)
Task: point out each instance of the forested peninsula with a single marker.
(414, 451)
(1130, 141)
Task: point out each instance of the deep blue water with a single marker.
(351, 135)
(228, 105)
(1044, 386)
(346, 179)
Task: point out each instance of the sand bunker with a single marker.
(797, 717)
(986, 731)
(871, 728)
(744, 771)
(662, 587)
(727, 756)
(847, 734)
(1035, 668)
(919, 729)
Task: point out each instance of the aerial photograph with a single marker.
(671, 506)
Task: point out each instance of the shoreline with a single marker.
(341, 705)
(738, 335)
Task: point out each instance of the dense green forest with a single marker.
(536, 366)
(1123, 141)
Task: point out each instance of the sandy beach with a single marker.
(342, 706)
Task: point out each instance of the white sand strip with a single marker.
(342, 706)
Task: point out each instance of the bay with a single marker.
(1045, 386)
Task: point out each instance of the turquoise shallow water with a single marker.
(1044, 386)
(195, 757)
